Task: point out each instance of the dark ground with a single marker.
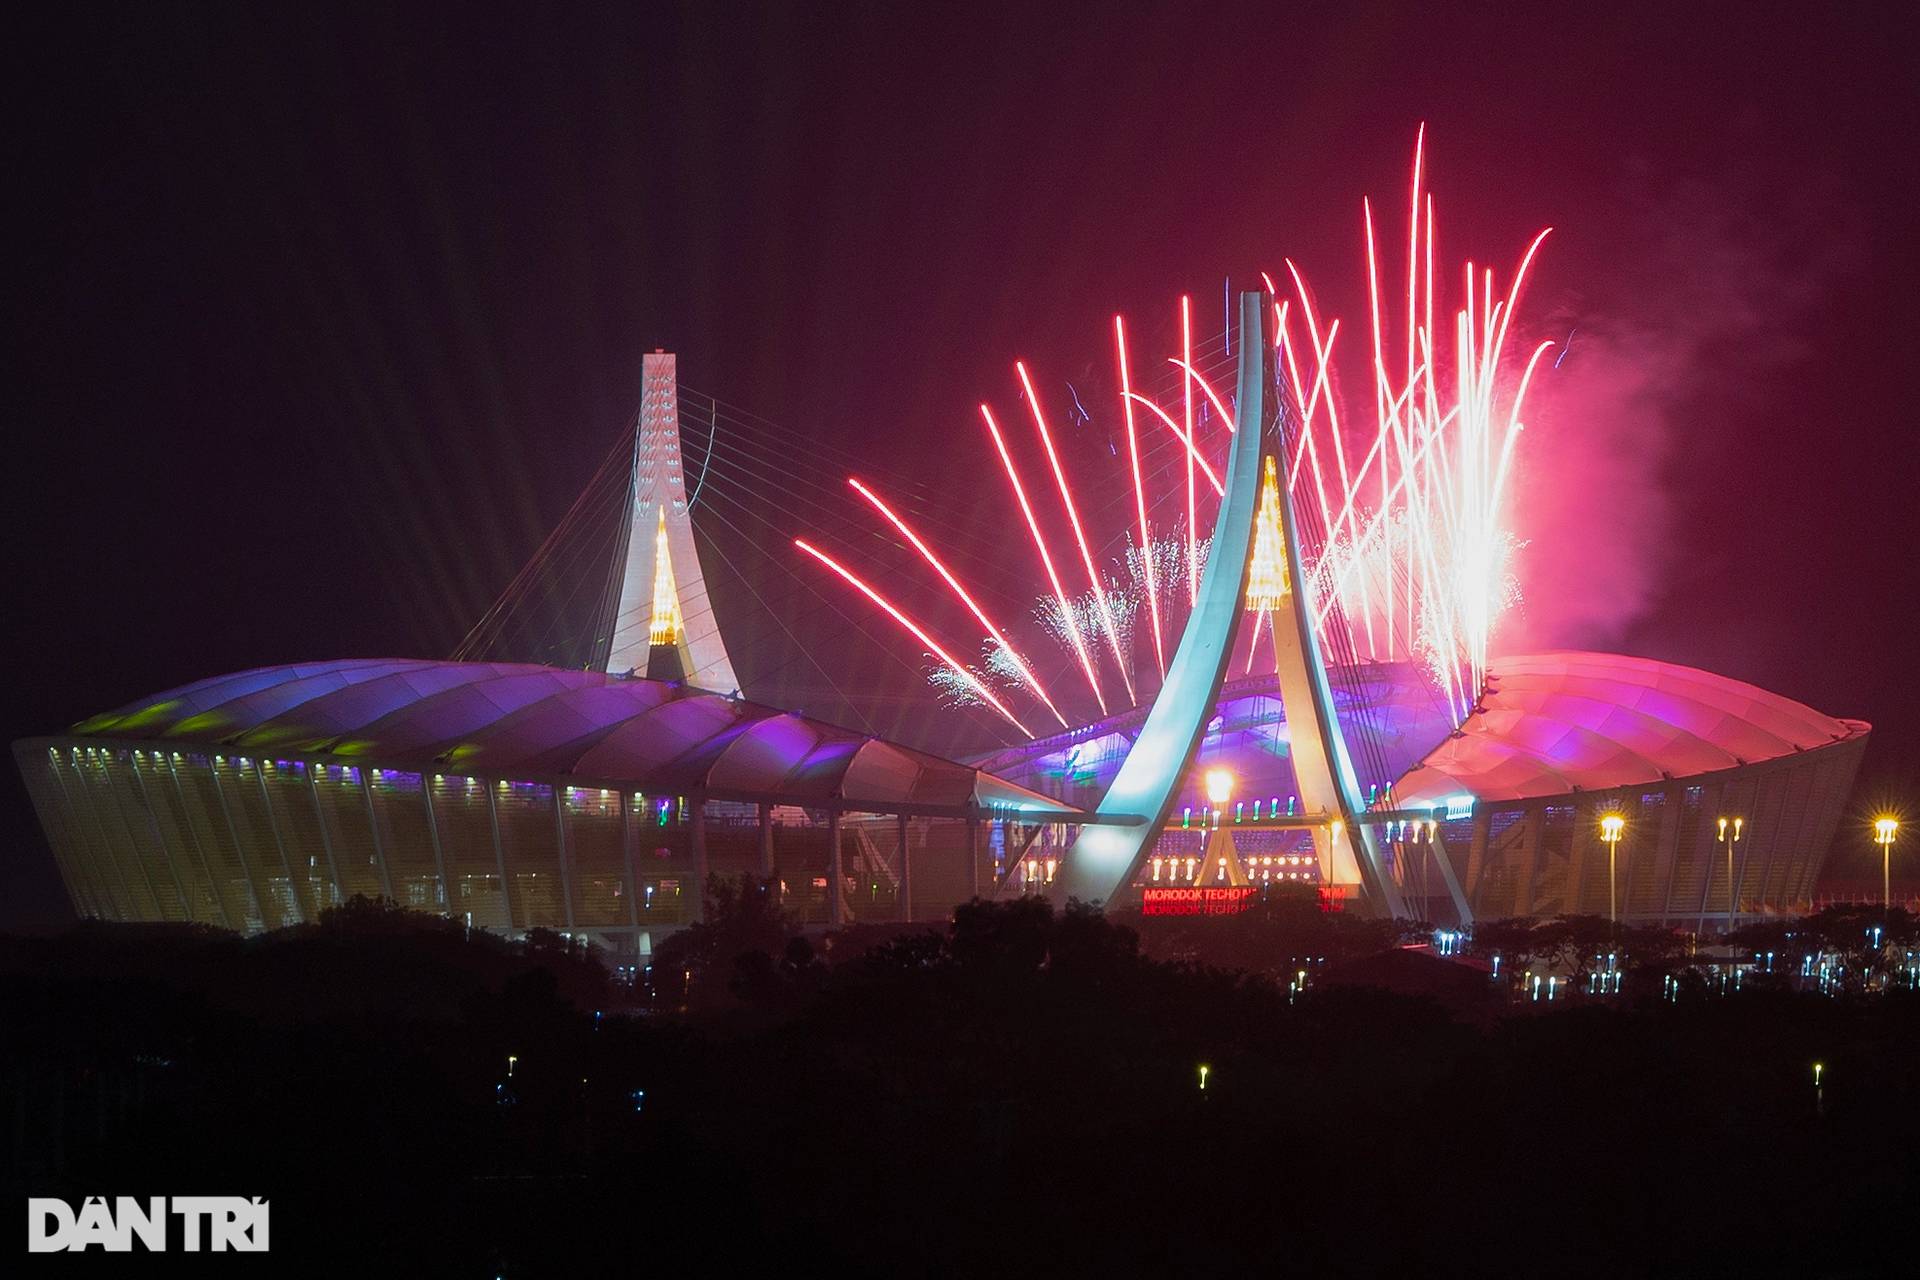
(1015, 1095)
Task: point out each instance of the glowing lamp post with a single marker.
(1610, 828)
(1730, 838)
(1884, 830)
(1219, 791)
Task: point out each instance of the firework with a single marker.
(1073, 518)
(1139, 487)
(1413, 558)
(1059, 592)
(1016, 668)
(960, 672)
(1422, 571)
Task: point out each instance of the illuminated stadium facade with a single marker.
(598, 802)
(1515, 797)
(510, 796)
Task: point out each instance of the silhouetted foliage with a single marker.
(695, 966)
(1015, 1092)
(1571, 947)
(1284, 927)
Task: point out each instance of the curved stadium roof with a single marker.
(1549, 724)
(1553, 723)
(515, 719)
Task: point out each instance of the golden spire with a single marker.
(666, 599)
(1267, 580)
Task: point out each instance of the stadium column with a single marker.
(1781, 845)
(239, 850)
(151, 811)
(1707, 846)
(433, 839)
(836, 876)
(113, 879)
(563, 848)
(973, 856)
(766, 840)
(1759, 829)
(1444, 859)
(499, 852)
(1666, 845)
(119, 810)
(115, 811)
(373, 828)
(102, 800)
(1477, 854)
(906, 871)
(280, 844)
(1586, 815)
(1785, 850)
(1534, 826)
(199, 851)
(114, 890)
(326, 840)
(98, 895)
(626, 852)
(699, 911)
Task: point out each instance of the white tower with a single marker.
(663, 607)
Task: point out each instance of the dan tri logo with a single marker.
(230, 1222)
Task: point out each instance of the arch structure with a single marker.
(1107, 858)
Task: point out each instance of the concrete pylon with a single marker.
(1348, 849)
(659, 531)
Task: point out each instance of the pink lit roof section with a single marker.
(1553, 723)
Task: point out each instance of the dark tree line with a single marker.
(1017, 1092)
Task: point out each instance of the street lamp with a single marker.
(1730, 840)
(1884, 830)
(1610, 828)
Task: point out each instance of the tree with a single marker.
(696, 965)
(1515, 941)
(1285, 928)
(1575, 945)
(1868, 940)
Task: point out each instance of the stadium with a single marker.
(597, 802)
(511, 796)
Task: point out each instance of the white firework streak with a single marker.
(1351, 575)
(1000, 669)
(954, 689)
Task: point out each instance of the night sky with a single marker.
(318, 322)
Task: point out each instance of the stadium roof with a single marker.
(516, 719)
(1553, 723)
